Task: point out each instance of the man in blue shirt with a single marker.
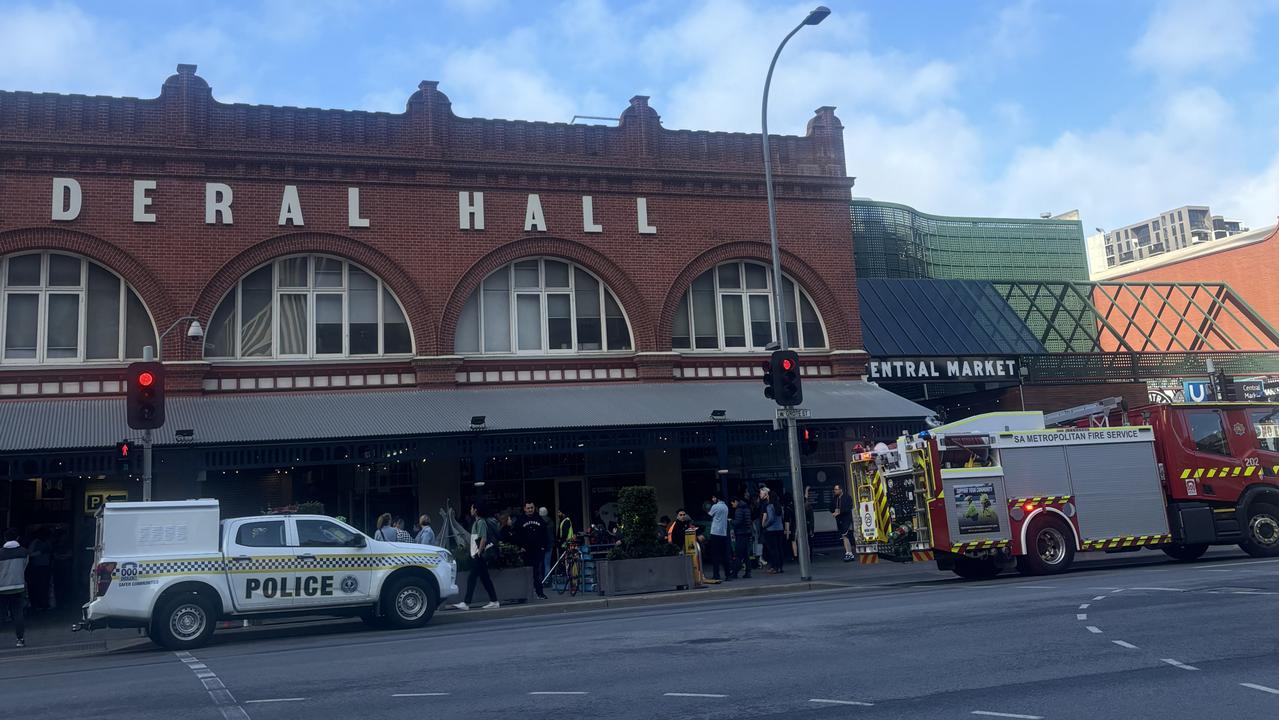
(718, 541)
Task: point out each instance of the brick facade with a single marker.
(704, 193)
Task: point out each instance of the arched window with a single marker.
(541, 305)
(731, 308)
(59, 308)
(308, 307)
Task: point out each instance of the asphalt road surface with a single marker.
(1162, 641)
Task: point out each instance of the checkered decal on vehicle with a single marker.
(276, 563)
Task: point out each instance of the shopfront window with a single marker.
(731, 308)
(541, 306)
(1207, 432)
(1265, 424)
(57, 308)
(308, 307)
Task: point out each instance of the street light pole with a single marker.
(792, 432)
(150, 354)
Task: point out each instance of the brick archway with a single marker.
(154, 296)
(395, 277)
(610, 274)
(839, 333)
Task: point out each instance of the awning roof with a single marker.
(64, 424)
(913, 318)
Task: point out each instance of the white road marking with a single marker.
(561, 692)
(221, 697)
(271, 700)
(1099, 597)
(1160, 589)
(698, 695)
(213, 683)
(1007, 715)
(1176, 664)
(1094, 629)
(1262, 688)
(233, 712)
(419, 694)
(1081, 616)
(840, 702)
(1116, 590)
(202, 674)
(1037, 587)
(1249, 562)
(1251, 592)
(1218, 569)
(198, 665)
(1085, 606)
(1121, 643)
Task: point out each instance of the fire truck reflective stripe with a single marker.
(868, 559)
(1125, 541)
(1249, 470)
(921, 555)
(881, 509)
(1223, 510)
(1236, 471)
(1212, 472)
(1185, 473)
(1199, 472)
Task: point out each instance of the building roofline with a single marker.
(1180, 255)
(965, 218)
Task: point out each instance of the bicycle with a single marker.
(566, 573)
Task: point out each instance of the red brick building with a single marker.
(365, 281)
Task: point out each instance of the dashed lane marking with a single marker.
(1085, 606)
(1094, 629)
(221, 697)
(1036, 587)
(419, 694)
(1116, 590)
(1121, 643)
(1099, 597)
(989, 713)
(824, 701)
(274, 700)
(1262, 688)
(559, 692)
(695, 695)
(1160, 589)
(1177, 664)
(1081, 616)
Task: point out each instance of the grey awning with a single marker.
(63, 424)
(919, 318)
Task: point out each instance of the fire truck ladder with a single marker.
(1097, 413)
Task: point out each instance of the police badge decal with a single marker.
(350, 584)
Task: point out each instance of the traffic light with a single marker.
(146, 395)
(768, 379)
(807, 441)
(785, 378)
(124, 452)
(1226, 390)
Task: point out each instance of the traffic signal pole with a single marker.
(148, 354)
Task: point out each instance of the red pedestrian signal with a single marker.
(145, 398)
(786, 389)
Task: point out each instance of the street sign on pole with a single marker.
(794, 413)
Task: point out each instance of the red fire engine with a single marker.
(994, 490)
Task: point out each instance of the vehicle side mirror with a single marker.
(359, 542)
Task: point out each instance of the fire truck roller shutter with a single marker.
(1035, 471)
(1116, 489)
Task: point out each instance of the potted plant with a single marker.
(642, 562)
(512, 579)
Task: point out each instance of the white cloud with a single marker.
(1188, 36)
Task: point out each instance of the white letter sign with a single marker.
(290, 206)
(588, 216)
(66, 199)
(533, 218)
(470, 213)
(641, 215)
(353, 218)
(217, 204)
(141, 201)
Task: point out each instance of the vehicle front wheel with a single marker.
(1050, 547)
(1261, 536)
(183, 622)
(1185, 553)
(975, 568)
(408, 602)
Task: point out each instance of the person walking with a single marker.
(385, 529)
(718, 540)
(401, 535)
(563, 531)
(741, 537)
(774, 533)
(483, 551)
(13, 585)
(530, 535)
(843, 512)
(425, 535)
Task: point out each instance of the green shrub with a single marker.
(638, 510)
(311, 507)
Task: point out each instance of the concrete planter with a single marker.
(513, 585)
(631, 577)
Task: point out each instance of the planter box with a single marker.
(630, 577)
(513, 585)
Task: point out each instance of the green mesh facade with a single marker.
(896, 241)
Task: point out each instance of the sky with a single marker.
(1118, 108)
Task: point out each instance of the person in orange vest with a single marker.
(675, 533)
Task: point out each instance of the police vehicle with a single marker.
(176, 569)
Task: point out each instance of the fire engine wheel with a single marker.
(1050, 547)
(183, 622)
(1185, 553)
(970, 568)
(408, 602)
(1261, 538)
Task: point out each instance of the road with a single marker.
(1160, 641)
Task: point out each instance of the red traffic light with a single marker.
(146, 379)
(788, 364)
(124, 450)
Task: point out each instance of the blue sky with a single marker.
(1119, 109)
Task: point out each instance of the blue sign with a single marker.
(1196, 390)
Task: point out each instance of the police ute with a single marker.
(177, 569)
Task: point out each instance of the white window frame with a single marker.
(43, 290)
(543, 291)
(686, 307)
(311, 290)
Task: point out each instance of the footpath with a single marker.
(49, 633)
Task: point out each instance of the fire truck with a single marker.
(983, 494)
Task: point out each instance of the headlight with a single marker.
(448, 556)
